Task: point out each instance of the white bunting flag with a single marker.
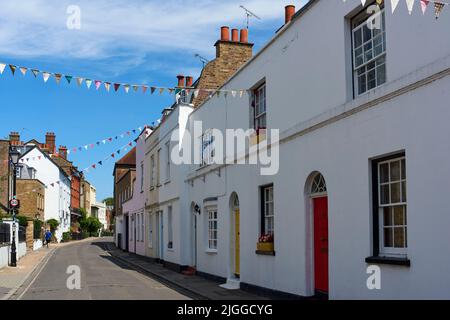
(88, 83)
(126, 88)
(45, 76)
(23, 70)
(394, 4)
(79, 81)
(2, 67)
(410, 5)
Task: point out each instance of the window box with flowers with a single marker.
(265, 245)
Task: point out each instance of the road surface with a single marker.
(102, 278)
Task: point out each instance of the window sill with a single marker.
(389, 260)
(211, 251)
(167, 182)
(265, 253)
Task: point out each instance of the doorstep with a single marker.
(194, 286)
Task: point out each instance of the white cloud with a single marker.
(124, 28)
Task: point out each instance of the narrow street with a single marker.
(102, 278)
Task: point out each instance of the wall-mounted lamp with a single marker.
(197, 209)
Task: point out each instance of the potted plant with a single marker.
(266, 243)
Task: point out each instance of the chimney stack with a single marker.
(289, 13)
(189, 81)
(50, 142)
(180, 81)
(235, 35)
(225, 33)
(63, 152)
(244, 35)
(14, 138)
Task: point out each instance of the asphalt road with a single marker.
(102, 278)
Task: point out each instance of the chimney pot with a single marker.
(180, 81)
(225, 33)
(244, 35)
(14, 136)
(235, 35)
(50, 142)
(189, 81)
(63, 152)
(289, 13)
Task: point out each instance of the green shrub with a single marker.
(23, 221)
(37, 228)
(84, 234)
(53, 223)
(66, 237)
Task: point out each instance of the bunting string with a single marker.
(109, 85)
(437, 4)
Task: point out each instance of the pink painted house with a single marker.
(133, 209)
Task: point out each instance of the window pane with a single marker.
(381, 74)
(398, 216)
(357, 36)
(368, 51)
(388, 237)
(395, 192)
(403, 169)
(362, 84)
(387, 217)
(371, 79)
(384, 173)
(395, 171)
(399, 237)
(403, 191)
(367, 33)
(384, 194)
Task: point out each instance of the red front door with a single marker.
(321, 244)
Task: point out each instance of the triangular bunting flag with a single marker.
(100, 163)
(23, 70)
(69, 79)
(79, 81)
(2, 67)
(144, 89)
(152, 90)
(35, 72)
(45, 76)
(13, 69)
(135, 88)
(98, 83)
(88, 83)
(116, 86)
(107, 86)
(438, 7)
(161, 91)
(126, 88)
(57, 77)
(410, 5)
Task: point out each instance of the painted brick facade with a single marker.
(4, 171)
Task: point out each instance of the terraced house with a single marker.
(360, 179)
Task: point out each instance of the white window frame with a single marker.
(152, 171)
(379, 61)
(268, 202)
(212, 229)
(170, 227)
(142, 176)
(260, 107)
(168, 162)
(208, 151)
(392, 251)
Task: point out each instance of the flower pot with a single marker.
(265, 246)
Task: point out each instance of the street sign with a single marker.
(14, 203)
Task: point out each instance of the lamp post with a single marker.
(14, 159)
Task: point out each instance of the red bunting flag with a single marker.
(116, 86)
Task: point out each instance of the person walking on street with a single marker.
(48, 237)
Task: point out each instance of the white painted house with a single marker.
(57, 193)
(363, 120)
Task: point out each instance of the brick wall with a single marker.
(4, 155)
(230, 56)
(31, 194)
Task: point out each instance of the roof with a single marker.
(129, 158)
(46, 156)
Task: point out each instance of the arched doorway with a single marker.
(235, 236)
(319, 201)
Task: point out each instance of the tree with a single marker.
(109, 201)
(53, 223)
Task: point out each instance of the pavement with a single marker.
(194, 286)
(105, 273)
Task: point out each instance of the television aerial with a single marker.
(203, 60)
(249, 15)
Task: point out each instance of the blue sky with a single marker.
(131, 41)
